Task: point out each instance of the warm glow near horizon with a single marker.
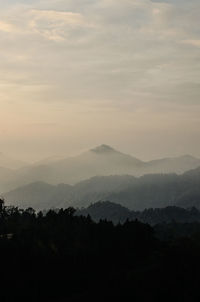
(79, 73)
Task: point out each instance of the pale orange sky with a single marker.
(75, 74)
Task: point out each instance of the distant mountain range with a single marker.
(100, 161)
(148, 191)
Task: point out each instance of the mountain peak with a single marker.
(103, 149)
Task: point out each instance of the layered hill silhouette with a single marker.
(118, 214)
(148, 191)
(100, 161)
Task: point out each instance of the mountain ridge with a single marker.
(148, 191)
(102, 160)
(116, 213)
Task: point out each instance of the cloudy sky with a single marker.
(78, 73)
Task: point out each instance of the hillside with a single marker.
(149, 191)
(100, 161)
(118, 214)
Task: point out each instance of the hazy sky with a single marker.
(79, 73)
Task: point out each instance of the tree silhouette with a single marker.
(59, 256)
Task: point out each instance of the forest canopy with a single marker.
(58, 256)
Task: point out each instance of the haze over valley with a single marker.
(76, 74)
(103, 173)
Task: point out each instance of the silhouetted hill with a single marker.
(100, 161)
(107, 210)
(149, 191)
(103, 161)
(161, 191)
(39, 195)
(116, 213)
(173, 165)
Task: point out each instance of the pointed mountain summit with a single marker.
(104, 149)
(107, 150)
(126, 161)
(102, 160)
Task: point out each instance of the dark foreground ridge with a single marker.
(62, 257)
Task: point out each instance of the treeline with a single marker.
(62, 257)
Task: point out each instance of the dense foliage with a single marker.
(62, 257)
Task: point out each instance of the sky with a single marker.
(80, 73)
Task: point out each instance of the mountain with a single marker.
(171, 165)
(104, 160)
(107, 211)
(10, 163)
(100, 161)
(161, 191)
(118, 214)
(39, 195)
(148, 191)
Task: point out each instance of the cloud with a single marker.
(7, 27)
(96, 58)
(192, 42)
(53, 25)
(85, 50)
